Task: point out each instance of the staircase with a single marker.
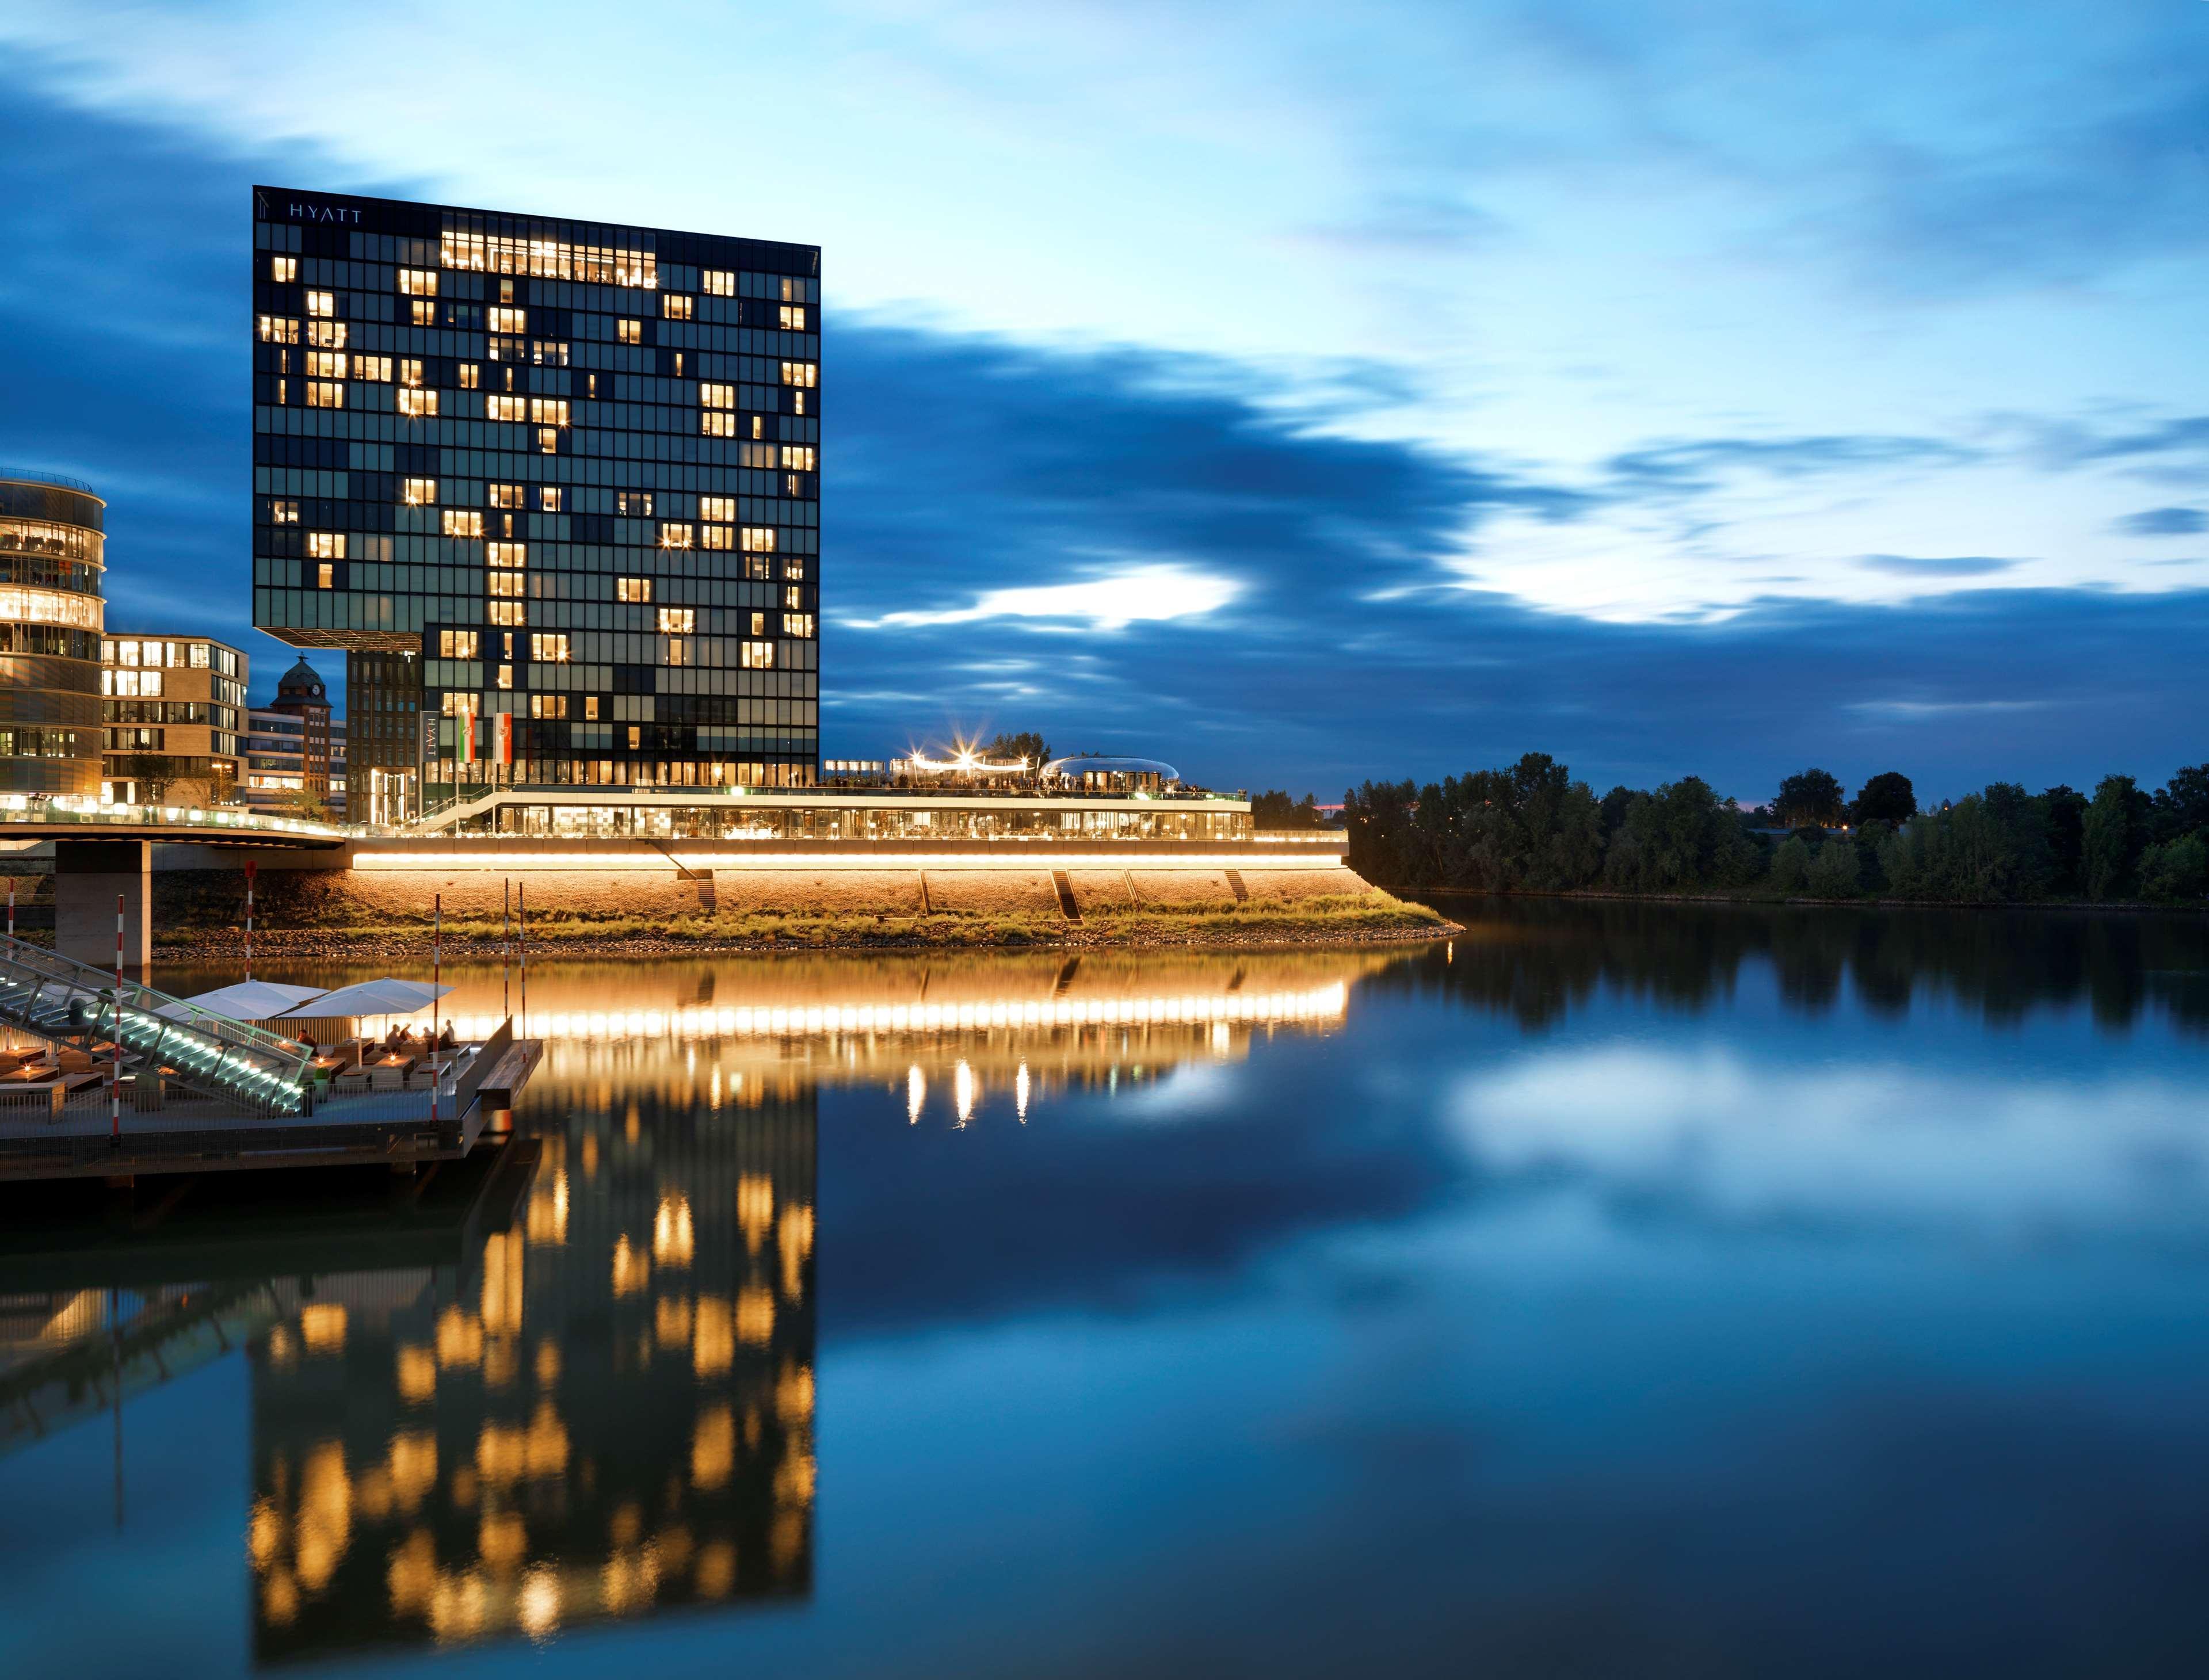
(241, 1066)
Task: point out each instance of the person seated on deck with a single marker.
(445, 1039)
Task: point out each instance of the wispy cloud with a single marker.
(1923, 565)
(2164, 522)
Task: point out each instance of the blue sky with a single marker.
(1299, 393)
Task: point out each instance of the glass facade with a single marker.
(51, 613)
(553, 485)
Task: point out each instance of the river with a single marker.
(1614, 1289)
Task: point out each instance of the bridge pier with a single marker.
(88, 876)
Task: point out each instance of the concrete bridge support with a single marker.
(89, 876)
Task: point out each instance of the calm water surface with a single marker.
(1612, 1291)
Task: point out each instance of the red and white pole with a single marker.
(521, 925)
(11, 906)
(250, 868)
(506, 956)
(114, 1065)
(436, 968)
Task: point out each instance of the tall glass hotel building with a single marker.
(553, 486)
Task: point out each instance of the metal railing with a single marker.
(64, 810)
(57, 998)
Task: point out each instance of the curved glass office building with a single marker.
(50, 618)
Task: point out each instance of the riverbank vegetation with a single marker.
(1533, 827)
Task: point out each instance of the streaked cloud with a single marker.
(1140, 594)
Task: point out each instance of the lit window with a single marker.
(499, 407)
(284, 270)
(758, 656)
(506, 677)
(633, 589)
(674, 534)
(509, 555)
(506, 496)
(678, 650)
(321, 303)
(794, 566)
(283, 513)
(797, 456)
(716, 536)
(506, 612)
(456, 644)
(279, 329)
(326, 576)
(423, 312)
(419, 492)
(798, 623)
(327, 334)
(637, 503)
(807, 373)
(714, 424)
(463, 522)
(759, 624)
(548, 498)
(721, 282)
(793, 317)
(723, 508)
(418, 404)
(325, 393)
(377, 368)
(419, 282)
(717, 396)
(326, 363)
(793, 598)
(759, 425)
(759, 539)
(548, 440)
(505, 586)
(591, 707)
(675, 306)
(509, 320)
(470, 375)
(410, 372)
(326, 545)
(630, 332)
(677, 620)
(549, 646)
(548, 705)
(549, 411)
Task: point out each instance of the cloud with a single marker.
(1680, 466)
(2164, 522)
(1915, 565)
(1146, 594)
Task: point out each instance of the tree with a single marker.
(308, 806)
(2182, 807)
(1790, 866)
(2064, 819)
(1811, 797)
(154, 772)
(1886, 797)
(1027, 744)
(1275, 809)
(2116, 833)
(1833, 872)
(1681, 837)
(2177, 869)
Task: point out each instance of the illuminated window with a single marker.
(675, 306)
(410, 372)
(326, 576)
(509, 320)
(759, 624)
(759, 539)
(550, 645)
(674, 534)
(470, 375)
(326, 363)
(548, 440)
(591, 707)
(630, 332)
(797, 402)
(456, 644)
(549, 411)
(798, 623)
(506, 585)
(758, 656)
(633, 589)
(721, 282)
(321, 303)
(723, 508)
(678, 650)
(283, 513)
(463, 522)
(377, 368)
(506, 496)
(423, 312)
(284, 269)
(499, 407)
(715, 423)
(677, 620)
(279, 329)
(506, 612)
(807, 373)
(636, 503)
(419, 492)
(548, 498)
(758, 425)
(506, 677)
(797, 456)
(793, 317)
(325, 393)
(548, 705)
(794, 566)
(793, 598)
(326, 545)
(419, 282)
(418, 404)
(509, 555)
(327, 334)
(717, 396)
(716, 536)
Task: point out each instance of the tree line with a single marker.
(1533, 827)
